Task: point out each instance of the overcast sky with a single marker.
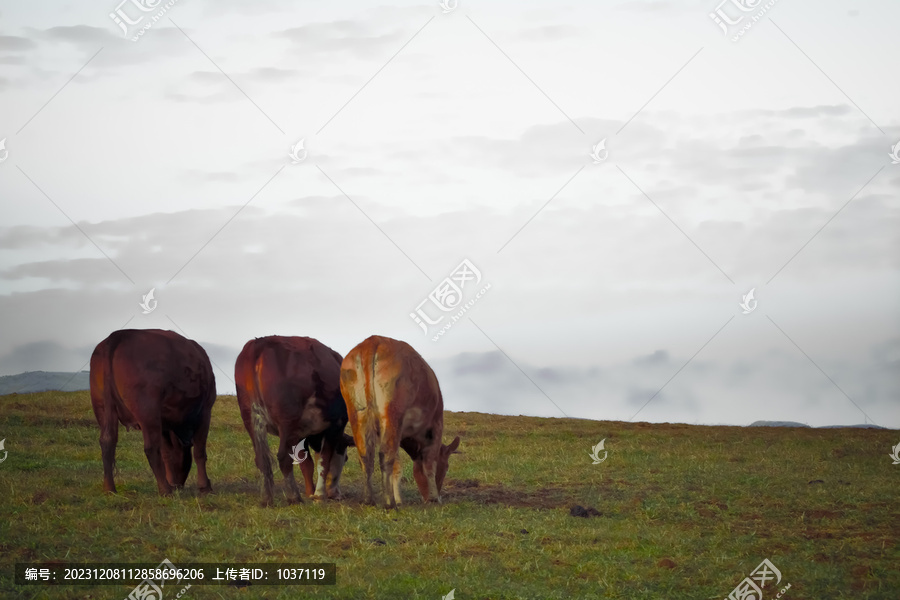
(430, 137)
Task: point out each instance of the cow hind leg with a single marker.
(395, 479)
(390, 465)
(390, 478)
(287, 468)
(385, 482)
(367, 462)
(203, 484)
(153, 450)
(171, 459)
(366, 456)
(109, 437)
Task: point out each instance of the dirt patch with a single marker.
(476, 551)
(546, 497)
(862, 578)
(463, 483)
(824, 514)
(39, 497)
(666, 563)
(705, 508)
(861, 571)
(811, 534)
(581, 511)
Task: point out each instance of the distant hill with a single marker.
(43, 381)
(795, 424)
(860, 426)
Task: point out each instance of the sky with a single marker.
(592, 189)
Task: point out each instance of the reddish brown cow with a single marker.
(162, 384)
(394, 401)
(290, 386)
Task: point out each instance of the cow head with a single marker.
(337, 466)
(443, 461)
(176, 458)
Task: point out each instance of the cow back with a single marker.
(296, 380)
(387, 378)
(154, 374)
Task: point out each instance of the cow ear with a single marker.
(451, 449)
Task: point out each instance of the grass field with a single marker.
(685, 511)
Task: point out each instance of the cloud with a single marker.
(354, 37)
(551, 33)
(742, 389)
(14, 43)
(81, 35)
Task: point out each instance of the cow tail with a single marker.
(373, 424)
(260, 420)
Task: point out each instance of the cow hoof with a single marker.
(297, 500)
(265, 503)
(205, 490)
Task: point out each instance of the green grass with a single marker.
(687, 511)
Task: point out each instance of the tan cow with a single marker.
(394, 401)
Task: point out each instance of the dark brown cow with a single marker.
(394, 401)
(162, 384)
(290, 386)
